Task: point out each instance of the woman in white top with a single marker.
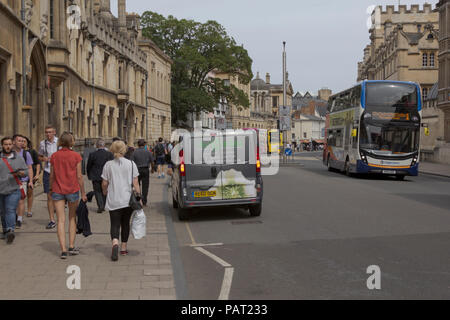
(117, 179)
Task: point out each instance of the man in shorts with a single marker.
(48, 147)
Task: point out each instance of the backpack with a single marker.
(159, 150)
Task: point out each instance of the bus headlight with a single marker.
(364, 158)
(414, 161)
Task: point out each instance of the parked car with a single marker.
(223, 170)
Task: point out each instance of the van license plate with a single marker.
(204, 194)
(389, 171)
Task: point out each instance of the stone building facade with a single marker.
(86, 71)
(405, 47)
(444, 64)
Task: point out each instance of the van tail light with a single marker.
(258, 161)
(182, 169)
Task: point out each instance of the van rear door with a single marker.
(239, 171)
(203, 181)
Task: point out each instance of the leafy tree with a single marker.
(198, 49)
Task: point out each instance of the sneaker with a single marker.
(18, 224)
(123, 252)
(100, 211)
(10, 236)
(64, 255)
(74, 251)
(115, 253)
(51, 225)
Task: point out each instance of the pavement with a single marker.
(31, 268)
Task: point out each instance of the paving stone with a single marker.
(158, 272)
(123, 285)
(158, 284)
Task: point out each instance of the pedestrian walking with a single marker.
(66, 182)
(143, 159)
(120, 176)
(36, 173)
(12, 168)
(46, 148)
(160, 153)
(19, 143)
(94, 169)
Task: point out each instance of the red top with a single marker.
(64, 164)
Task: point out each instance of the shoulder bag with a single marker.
(135, 204)
(22, 191)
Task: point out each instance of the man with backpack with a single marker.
(27, 182)
(160, 153)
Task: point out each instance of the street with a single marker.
(318, 234)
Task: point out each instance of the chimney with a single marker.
(268, 78)
(122, 16)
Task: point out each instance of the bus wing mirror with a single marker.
(354, 132)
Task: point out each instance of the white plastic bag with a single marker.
(138, 224)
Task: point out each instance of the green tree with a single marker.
(198, 49)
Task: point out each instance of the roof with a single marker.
(322, 110)
(259, 84)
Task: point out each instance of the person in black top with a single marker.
(143, 159)
(94, 168)
(37, 165)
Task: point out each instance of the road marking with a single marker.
(226, 284)
(190, 234)
(214, 257)
(206, 245)
(228, 276)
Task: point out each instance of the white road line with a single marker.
(226, 284)
(214, 257)
(206, 244)
(228, 276)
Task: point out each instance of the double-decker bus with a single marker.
(374, 127)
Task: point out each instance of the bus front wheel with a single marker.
(400, 177)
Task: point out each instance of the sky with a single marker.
(325, 39)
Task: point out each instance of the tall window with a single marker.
(274, 102)
(120, 78)
(424, 93)
(425, 60)
(431, 59)
(52, 19)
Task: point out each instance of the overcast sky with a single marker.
(325, 38)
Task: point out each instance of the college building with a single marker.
(74, 65)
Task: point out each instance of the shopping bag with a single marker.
(138, 224)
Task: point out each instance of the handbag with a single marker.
(134, 202)
(23, 195)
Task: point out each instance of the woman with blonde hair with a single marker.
(118, 177)
(66, 181)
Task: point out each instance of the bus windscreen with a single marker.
(391, 95)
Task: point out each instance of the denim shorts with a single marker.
(74, 197)
(160, 160)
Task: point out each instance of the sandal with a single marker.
(29, 214)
